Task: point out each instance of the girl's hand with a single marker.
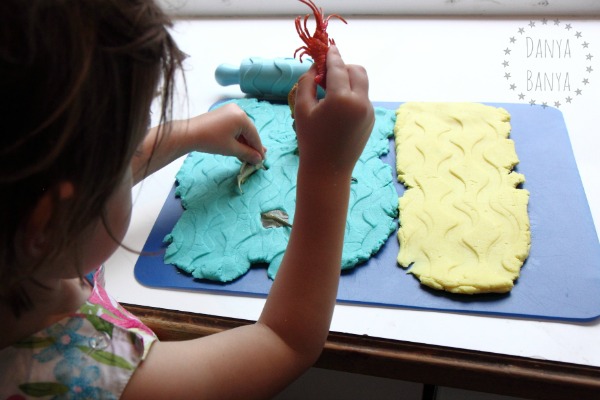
(226, 130)
(333, 132)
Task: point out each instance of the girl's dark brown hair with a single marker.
(77, 78)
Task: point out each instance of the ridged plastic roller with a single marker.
(264, 77)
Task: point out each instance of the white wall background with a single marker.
(586, 8)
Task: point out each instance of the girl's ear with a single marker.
(37, 229)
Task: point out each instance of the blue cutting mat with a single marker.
(560, 279)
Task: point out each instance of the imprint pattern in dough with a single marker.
(464, 226)
(221, 231)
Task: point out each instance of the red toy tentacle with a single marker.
(317, 45)
(306, 31)
(318, 13)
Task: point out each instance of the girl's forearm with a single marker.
(157, 151)
(300, 305)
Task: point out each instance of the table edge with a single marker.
(408, 361)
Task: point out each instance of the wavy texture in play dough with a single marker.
(220, 234)
(464, 223)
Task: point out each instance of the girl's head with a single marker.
(77, 78)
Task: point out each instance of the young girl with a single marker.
(77, 78)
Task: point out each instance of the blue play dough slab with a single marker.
(560, 279)
(220, 234)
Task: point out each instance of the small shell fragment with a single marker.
(246, 170)
(275, 219)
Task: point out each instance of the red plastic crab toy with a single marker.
(317, 45)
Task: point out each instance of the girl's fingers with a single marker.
(306, 95)
(359, 81)
(252, 153)
(337, 74)
(251, 139)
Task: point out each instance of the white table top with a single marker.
(433, 59)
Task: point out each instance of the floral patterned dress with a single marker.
(90, 354)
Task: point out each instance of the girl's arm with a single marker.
(257, 361)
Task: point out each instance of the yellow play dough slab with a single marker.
(464, 226)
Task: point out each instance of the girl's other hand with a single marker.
(226, 130)
(332, 132)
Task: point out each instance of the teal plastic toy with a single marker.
(271, 78)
